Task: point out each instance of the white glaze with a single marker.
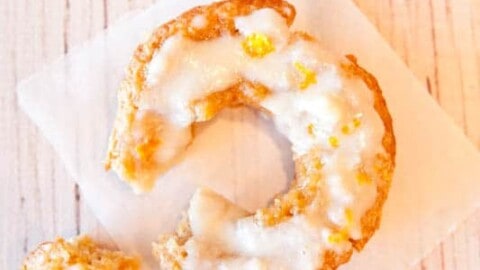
(221, 228)
(184, 70)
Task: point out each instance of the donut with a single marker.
(77, 253)
(243, 53)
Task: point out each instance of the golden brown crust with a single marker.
(385, 164)
(308, 168)
(81, 252)
(169, 249)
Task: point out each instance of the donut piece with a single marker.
(242, 53)
(78, 253)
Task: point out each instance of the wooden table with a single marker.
(438, 39)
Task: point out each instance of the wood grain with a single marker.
(440, 43)
(438, 39)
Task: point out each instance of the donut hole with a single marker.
(251, 161)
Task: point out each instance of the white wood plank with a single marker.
(438, 40)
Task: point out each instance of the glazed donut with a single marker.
(77, 253)
(234, 53)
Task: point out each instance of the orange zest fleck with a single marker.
(357, 120)
(345, 129)
(342, 235)
(334, 142)
(350, 127)
(348, 217)
(363, 178)
(317, 164)
(337, 237)
(257, 45)
(311, 130)
(309, 76)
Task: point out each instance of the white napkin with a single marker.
(240, 155)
